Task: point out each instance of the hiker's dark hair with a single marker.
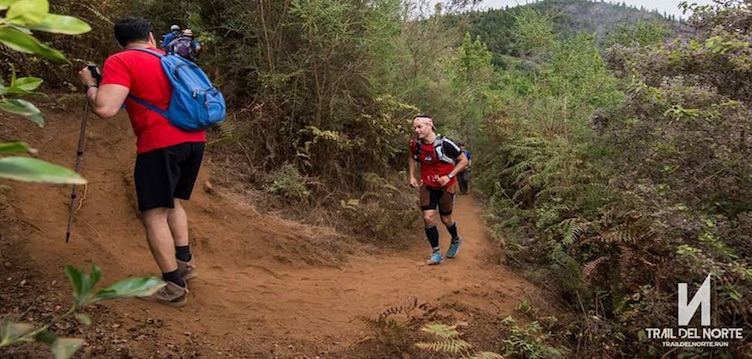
(132, 29)
(422, 115)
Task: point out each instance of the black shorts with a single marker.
(167, 173)
(431, 197)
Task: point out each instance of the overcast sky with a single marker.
(669, 6)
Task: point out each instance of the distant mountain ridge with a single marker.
(569, 18)
(573, 16)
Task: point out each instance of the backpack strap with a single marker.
(140, 100)
(148, 105)
(438, 142)
(438, 149)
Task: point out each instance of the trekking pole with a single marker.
(80, 152)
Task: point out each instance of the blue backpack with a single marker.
(194, 104)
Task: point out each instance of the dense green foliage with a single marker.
(621, 183)
(16, 26)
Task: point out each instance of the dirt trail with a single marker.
(252, 286)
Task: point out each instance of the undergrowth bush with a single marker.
(621, 193)
(288, 183)
(382, 212)
(528, 341)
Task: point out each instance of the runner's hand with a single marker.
(443, 180)
(413, 182)
(86, 77)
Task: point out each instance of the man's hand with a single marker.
(86, 77)
(443, 180)
(106, 100)
(413, 182)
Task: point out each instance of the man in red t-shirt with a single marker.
(436, 155)
(167, 158)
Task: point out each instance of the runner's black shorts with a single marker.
(167, 173)
(443, 197)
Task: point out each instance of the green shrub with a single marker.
(288, 183)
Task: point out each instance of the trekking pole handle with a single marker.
(95, 72)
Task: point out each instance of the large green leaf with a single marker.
(82, 284)
(76, 278)
(131, 287)
(10, 331)
(4, 4)
(14, 147)
(27, 12)
(96, 273)
(61, 24)
(26, 84)
(17, 40)
(28, 169)
(64, 348)
(23, 108)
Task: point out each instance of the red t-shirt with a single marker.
(431, 166)
(142, 73)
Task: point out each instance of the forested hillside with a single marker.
(611, 145)
(621, 176)
(569, 18)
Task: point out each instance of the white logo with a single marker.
(685, 336)
(688, 310)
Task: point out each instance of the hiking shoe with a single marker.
(187, 269)
(171, 294)
(454, 247)
(436, 258)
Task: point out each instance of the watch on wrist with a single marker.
(87, 87)
(450, 176)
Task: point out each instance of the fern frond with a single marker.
(538, 179)
(380, 324)
(227, 132)
(625, 233)
(369, 322)
(522, 192)
(524, 177)
(59, 9)
(447, 346)
(573, 229)
(589, 268)
(516, 169)
(406, 308)
(556, 191)
(98, 14)
(441, 330)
